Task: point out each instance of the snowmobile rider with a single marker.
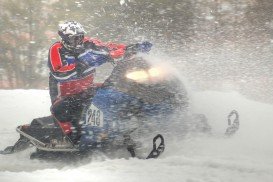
(72, 71)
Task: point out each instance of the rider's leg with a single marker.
(67, 112)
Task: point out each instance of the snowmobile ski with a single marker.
(157, 150)
(232, 126)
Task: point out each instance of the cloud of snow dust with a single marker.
(245, 156)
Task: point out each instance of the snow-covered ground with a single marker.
(247, 156)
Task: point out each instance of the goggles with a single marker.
(74, 40)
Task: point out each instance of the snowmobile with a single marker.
(136, 91)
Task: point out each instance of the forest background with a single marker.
(216, 43)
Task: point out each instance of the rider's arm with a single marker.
(61, 66)
(115, 50)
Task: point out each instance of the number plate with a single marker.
(94, 116)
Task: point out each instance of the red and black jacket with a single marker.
(64, 80)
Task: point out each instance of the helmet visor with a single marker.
(75, 40)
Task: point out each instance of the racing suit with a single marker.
(71, 84)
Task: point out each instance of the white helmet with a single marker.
(72, 34)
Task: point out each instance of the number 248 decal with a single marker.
(94, 116)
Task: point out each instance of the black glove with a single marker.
(145, 47)
(81, 67)
(139, 47)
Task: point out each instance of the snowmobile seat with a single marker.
(44, 129)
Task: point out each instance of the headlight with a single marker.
(142, 75)
(138, 75)
(154, 72)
